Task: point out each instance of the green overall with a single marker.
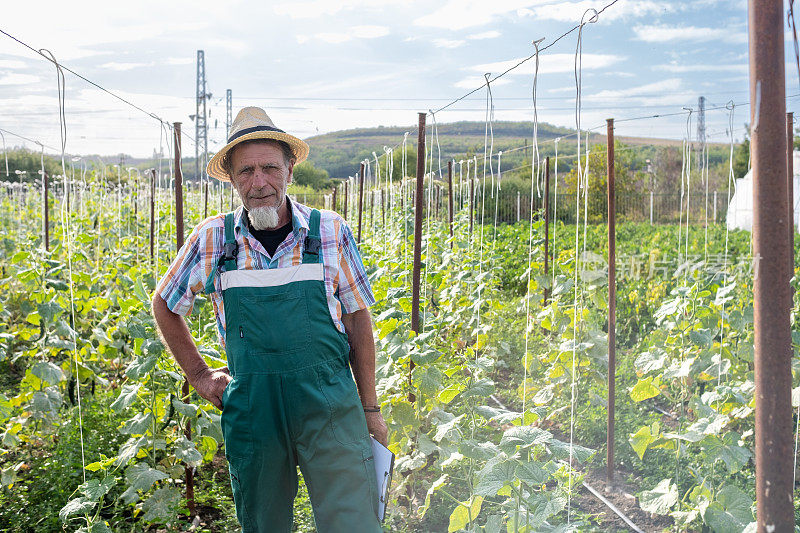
(292, 400)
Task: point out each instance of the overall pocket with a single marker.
(347, 420)
(275, 323)
(235, 419)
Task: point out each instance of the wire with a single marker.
(525, 60)
(90, 82)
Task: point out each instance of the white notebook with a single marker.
(384, 463)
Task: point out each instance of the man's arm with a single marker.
(173, 330)
(358, 326)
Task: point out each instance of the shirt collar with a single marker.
(300, 220)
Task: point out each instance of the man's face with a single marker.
(261, 176)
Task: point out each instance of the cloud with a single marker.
(674, 67)
(484, 35)
(460, 14)
(11, 64)
(319, 8)
(356, 32)
(648, 90)
(124, 66)
(671, 34)
(573, 11)
(180, 61)
(448, 43)
(17, 79)
(473, 82)
(549, 64)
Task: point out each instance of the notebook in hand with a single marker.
(384, 463)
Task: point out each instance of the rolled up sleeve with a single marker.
(354, 290)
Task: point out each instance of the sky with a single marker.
(324, 65)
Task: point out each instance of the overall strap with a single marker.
(228, 258)
(313, 244)
(230, 244)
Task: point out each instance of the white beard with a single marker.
(264, 217)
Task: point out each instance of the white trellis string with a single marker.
(67, 235)
(555, 212)
(576, 317)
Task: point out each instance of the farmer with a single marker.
(291, 301)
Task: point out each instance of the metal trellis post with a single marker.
(772, 294)
(418, 208)
(612, 304)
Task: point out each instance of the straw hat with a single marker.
(254, 123)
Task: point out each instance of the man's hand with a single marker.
(210, 384)
(377, 427)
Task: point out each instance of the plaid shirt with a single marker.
(346, 283)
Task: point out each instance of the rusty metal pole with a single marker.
(418, 208)
(179, 234)
(152, 213)
(546, 224)
(360, 198)
(772, 295)
(612, 304)
(46, 209)
(450, 199)
(790, 187)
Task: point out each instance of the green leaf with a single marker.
(100, 527)
(501, 416)
(185, 450)
(450, 392)
(532, 473)
(482, 388)
(138, 425)
(139, 367)
(75, 506)
(161, 505)
(436, 485)
(643, 438)
(141, 477)
(445, 429)
(403, 413)
(425, 357)
(645, 388)
(141, 293)
(186, 409)
(524, 437)
(49, 310)
(95, 489)
(728, 450)
(731, 512)
(543, 505)
(129, 449)
(494, 476)
(428, 379)
(650, 361)
(126, 398)
(48, 372)
(661, 499)
(482, 451)
(561, 450)
(465, 513)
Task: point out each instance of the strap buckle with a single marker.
(313, 245)
(230, 250)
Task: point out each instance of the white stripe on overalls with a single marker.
(272, 277)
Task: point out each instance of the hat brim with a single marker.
(299, 148)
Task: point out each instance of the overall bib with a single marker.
(292, 400)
